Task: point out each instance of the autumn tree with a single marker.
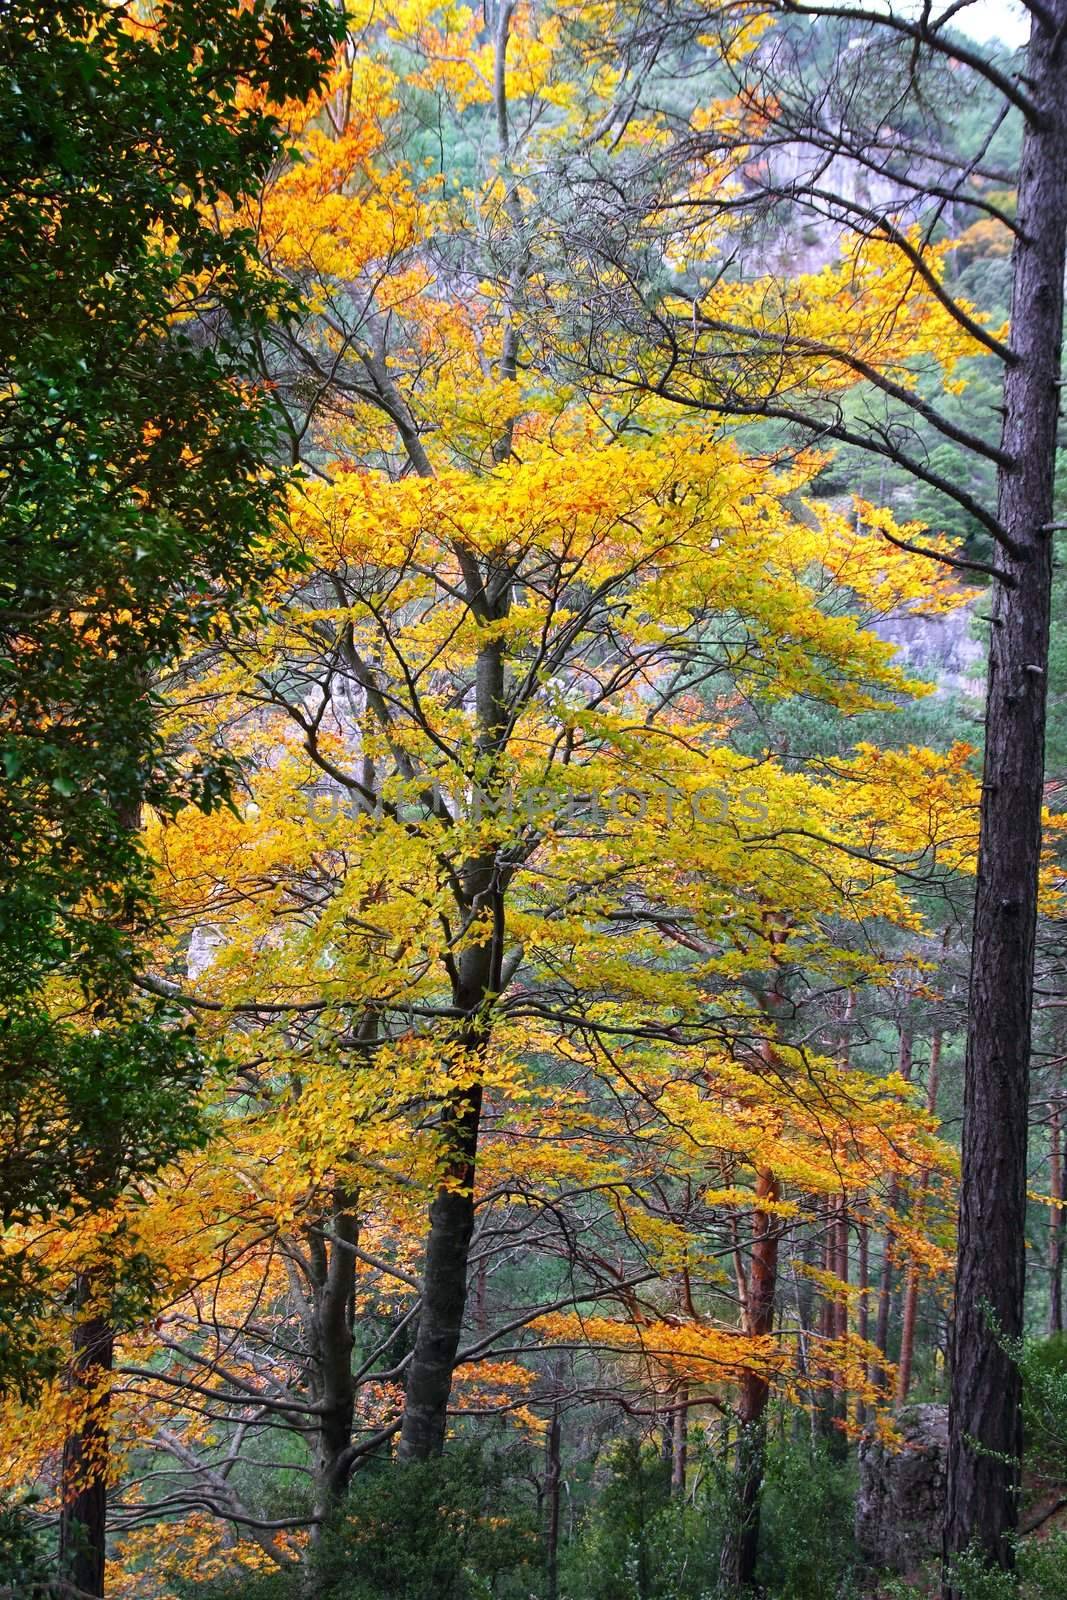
(854, 140)
(491, 804)
(334, 900)
(388, 389)
(535, 973)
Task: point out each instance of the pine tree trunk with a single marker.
(737, 1565)
(985, 1396)
(83, 1514)
(907, 1324)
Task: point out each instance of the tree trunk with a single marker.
(83, 1514)
(333, 1272)
(907, 1325)
(478, 977)
(680, 1442)
(737, 1565)
(863, 1284)
(444, 1279)
(1056, 1219)
(985, 1436)
(885, 1287)
(552, 1488)
(444, 1285)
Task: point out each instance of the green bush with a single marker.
(1044, 1366)
(639, 1543)
(24, 1567)
(1043, 1568)
(1041, 1574)
(807, 1547)
(438, 1530)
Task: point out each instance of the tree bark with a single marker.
(333, 1273)
(680, 1441)
(83, 1514)
(985, 1432)
(444, 1284)
(477, 977)
(737, 1564)
(552, 1496)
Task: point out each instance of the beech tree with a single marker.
(432, 390)
(860, 142)
(333, 909)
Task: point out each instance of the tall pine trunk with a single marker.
(985, 1430)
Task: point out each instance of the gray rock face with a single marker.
(902, 1493)
(938, 648)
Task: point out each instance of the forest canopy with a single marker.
(532, 743)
